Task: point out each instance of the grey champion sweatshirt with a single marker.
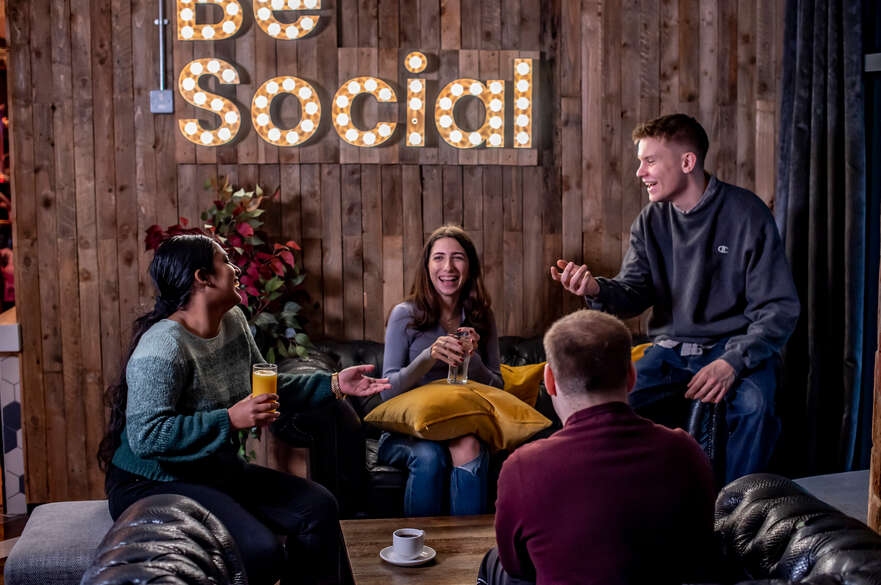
(716, 272)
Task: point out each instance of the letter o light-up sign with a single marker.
(342, 111)
(188, 83)
(310, 108)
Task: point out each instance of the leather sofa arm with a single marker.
(769, 528)
(169, 539)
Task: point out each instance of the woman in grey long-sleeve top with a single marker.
(448, 295)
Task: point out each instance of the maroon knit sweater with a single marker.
(611, 498)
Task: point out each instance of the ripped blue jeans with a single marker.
(432, 480)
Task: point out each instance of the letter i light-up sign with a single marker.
(492, 93)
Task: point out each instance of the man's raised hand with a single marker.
(576, 279)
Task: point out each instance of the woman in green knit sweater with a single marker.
(184, 393)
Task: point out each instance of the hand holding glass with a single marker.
(459, 374)
(264, 379)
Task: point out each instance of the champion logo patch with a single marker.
(722, 249)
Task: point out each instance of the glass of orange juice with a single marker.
(264, 379)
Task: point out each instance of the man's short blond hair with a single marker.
(588, 351)
(679, 128)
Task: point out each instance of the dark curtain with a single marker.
(871, 44)
(821, 211)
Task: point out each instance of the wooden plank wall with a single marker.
(93, 168)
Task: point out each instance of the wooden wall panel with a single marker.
(93, 168)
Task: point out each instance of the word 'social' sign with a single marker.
(491, 93)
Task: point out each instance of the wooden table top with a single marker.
(460, 542)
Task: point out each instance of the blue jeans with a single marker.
(662, 376)
(432, 477)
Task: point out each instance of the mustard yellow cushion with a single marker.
(523, 381)
(637, 351)
(441, 411)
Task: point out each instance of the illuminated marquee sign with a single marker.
(491, 93)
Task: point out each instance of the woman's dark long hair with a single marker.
(473, 299)
(173, 271)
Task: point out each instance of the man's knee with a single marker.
(753, 394)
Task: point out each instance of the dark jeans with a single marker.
(432, 479)
(256, 504)
(493, 573)
(661, 379)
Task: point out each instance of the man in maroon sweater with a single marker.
(610, 498)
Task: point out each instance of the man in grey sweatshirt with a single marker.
(707, 257)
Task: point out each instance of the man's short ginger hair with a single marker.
(679, 128)
(588, 351)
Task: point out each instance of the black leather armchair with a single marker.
(166, 539)
(772, 531)
(343, 449)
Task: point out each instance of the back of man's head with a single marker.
(679, 128)
(589, 353)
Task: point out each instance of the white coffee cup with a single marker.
(407, 543)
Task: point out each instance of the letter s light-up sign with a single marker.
(491, 93)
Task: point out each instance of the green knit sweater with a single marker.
(180, 386)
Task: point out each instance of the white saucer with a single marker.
(388, 556)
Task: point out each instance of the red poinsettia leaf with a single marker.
(277, 266)
(263, 256)
(252, 291)
(277, 247)
(245, 229)
(234, 241)
(155, 236)
(292, 244)
(287, 257)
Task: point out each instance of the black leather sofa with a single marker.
(343, 448)
(166, 539)
(769, 531)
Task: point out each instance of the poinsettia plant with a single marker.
(270, 275)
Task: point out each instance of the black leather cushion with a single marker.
(770, 528)
(166, 539)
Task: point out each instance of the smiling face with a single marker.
(663, 169)
(225, 280)
(448, 268)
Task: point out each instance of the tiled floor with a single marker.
(13, 454)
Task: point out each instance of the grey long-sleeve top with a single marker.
(407, 361)
(716, 272)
